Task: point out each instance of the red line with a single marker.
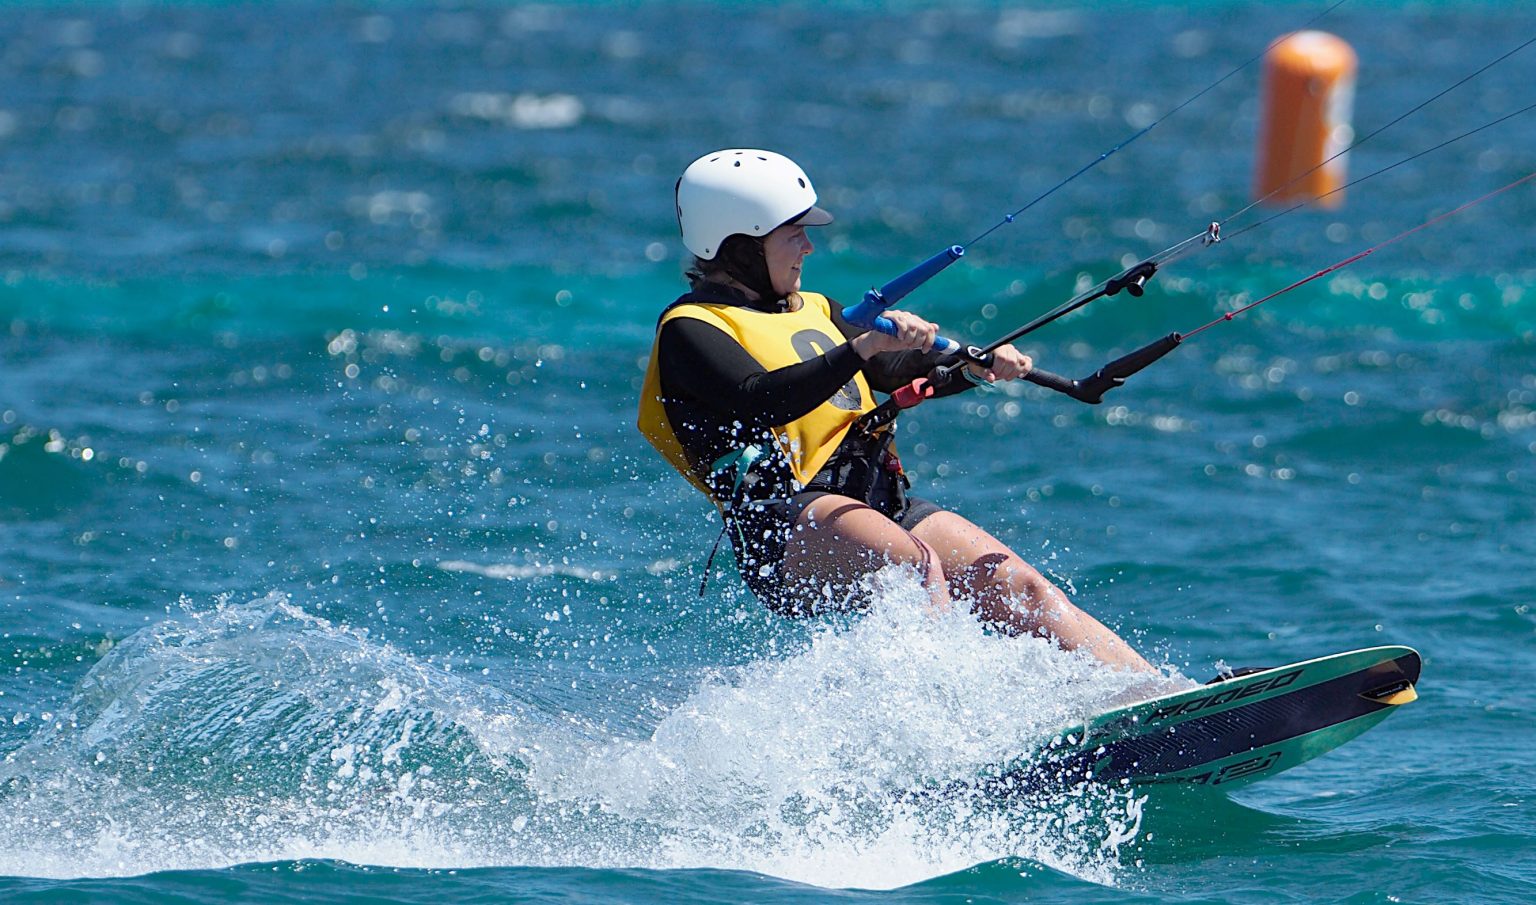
(1352, 259)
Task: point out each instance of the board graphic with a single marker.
(1228, 733)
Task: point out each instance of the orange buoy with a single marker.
(1308, 100)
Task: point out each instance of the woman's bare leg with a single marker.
(1011, 594)
(838, 540)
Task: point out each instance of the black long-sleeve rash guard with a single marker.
(718, 397)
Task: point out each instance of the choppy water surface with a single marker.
(334, 568)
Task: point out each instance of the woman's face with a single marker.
(784, 249)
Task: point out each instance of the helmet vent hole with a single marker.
(737, 163)
(802, 182)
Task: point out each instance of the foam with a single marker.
(259, 732)
(803, 766)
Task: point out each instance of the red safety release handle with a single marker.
(913, 393)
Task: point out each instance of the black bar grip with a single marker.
(1092, 389)
(1126, 365)
(1052, 382)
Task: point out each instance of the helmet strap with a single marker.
(742, 259)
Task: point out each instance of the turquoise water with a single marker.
(333, 568)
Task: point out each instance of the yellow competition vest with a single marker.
(776, 340)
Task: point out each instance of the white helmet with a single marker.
(742, 190)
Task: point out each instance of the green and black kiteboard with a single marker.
(1228, 733)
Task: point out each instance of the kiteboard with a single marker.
(1227, 733)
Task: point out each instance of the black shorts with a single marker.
(760, 534)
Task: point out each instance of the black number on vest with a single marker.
(809, 344)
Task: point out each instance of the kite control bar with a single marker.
(868, 313)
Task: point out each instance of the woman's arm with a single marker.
(701, 362)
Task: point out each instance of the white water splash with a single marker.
(258, 732)
(803, 767)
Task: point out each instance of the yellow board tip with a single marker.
(1394, 695)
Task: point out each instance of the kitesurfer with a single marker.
(755, 390)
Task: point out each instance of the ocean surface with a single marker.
(332, 567)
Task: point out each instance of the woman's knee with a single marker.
(1026, 582)
(1004, 575)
